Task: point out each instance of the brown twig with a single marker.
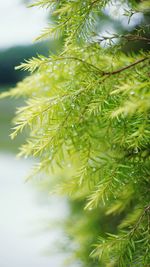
(125, 68)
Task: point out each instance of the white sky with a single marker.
(19, 24)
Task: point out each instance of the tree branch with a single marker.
(103, 73)
(82, 61)
(125, 68)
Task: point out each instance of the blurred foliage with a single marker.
(12, 57)
(7, 111)
(9, 59)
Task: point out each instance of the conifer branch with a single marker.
(80, 60)
(126, 67)
(81, 111)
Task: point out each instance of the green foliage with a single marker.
(7, 109)
(87, 111)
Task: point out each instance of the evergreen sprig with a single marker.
(89, 108)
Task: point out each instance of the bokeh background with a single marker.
(25, 210)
